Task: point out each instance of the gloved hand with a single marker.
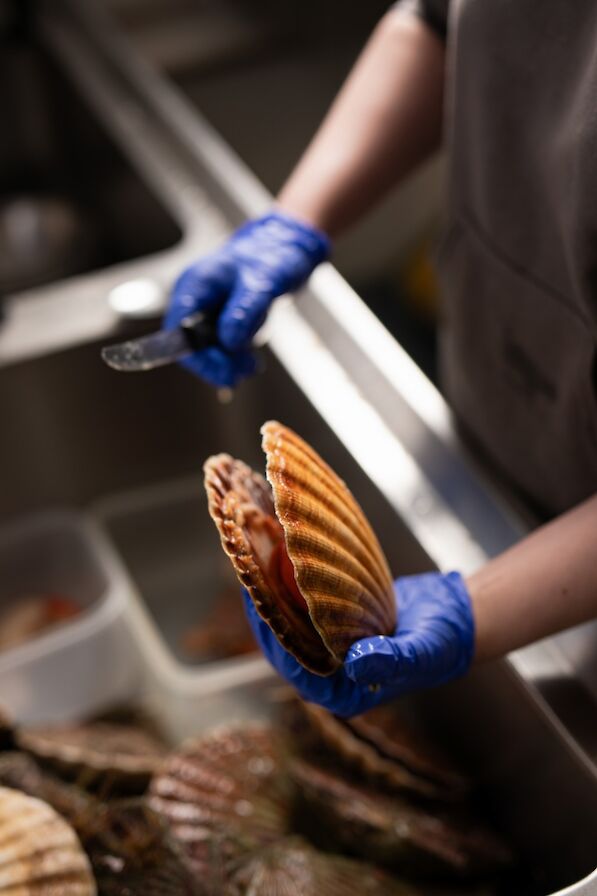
(263, 259)
(434, 643)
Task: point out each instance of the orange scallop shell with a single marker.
(308, 514)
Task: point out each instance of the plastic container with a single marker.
(171, 550)
(172, 553)
(82, 664)
(489, 719)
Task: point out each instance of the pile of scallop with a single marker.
(307, 804)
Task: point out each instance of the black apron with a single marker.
(518, 265)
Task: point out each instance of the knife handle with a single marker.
(200, 329)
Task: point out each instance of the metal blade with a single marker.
(151, 351)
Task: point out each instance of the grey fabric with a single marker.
(434, 12)
(519, 263)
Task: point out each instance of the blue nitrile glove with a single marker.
(263, 259)
(434, 643)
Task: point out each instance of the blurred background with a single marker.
(263, 74)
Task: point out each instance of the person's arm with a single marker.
(545, 583)
(386, 119)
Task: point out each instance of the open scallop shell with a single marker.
(338, 587)
(40, 854)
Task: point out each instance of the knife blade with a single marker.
(195, 332)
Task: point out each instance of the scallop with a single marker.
(225, 786)
(378, 746)
(21, 772)
(113, 756)
(390, 738)
(40, 854)
(303, 549)
(339, 812)
(133, 854)
(292, 867)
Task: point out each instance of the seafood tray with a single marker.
(328, 794)
(531, 783)
(84, 662)
(531, 780)
(240, 809)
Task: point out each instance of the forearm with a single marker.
(546, 583)
(385, 120)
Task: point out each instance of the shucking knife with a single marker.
(195, 332)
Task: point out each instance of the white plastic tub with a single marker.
(171, 550)
(176, 567)
(82, 664)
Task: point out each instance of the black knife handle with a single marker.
(200, 329)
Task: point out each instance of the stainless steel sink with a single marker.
(86, 432)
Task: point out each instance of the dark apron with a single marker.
(518, 265)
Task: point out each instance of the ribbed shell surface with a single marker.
(378, 747)
(240, 503)
(235, 494)
(133, 853)
(40, 854)
(393, 832)
(227, 784)
(294, 868)
(20, 772)
(124, 754)
(338, 563)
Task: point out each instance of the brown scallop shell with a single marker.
(21, 772)
(128, 845)
(110, 756)
(292, 866)
(40, 854)
(226, 784)
(340, 813)
(377, 746)
(133, 854)
(390, 738)
(339, 568)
